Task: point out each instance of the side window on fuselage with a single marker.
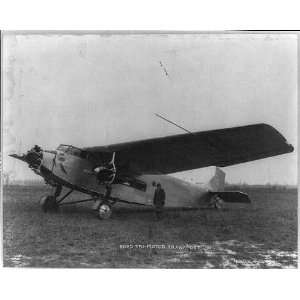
(84, 154)
(73, 151)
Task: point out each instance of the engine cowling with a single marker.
(105, 173)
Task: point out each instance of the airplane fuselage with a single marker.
(77, 172)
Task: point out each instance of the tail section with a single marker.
(217, 182)
(216, 190)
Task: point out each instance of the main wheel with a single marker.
(216, 202)
(48, 203)
(104, 211)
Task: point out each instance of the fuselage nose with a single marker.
(34, 159)
(48, 160)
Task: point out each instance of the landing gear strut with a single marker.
(49, 203)
(103, 204)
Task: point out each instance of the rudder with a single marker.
(217, 182)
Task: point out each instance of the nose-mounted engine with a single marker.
(33, 157)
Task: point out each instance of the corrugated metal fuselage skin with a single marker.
(77, 172)
(178, 192)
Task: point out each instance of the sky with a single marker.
(99, 89)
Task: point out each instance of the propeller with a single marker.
(33, 157)
(20, 157)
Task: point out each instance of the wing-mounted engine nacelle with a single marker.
(106, 172)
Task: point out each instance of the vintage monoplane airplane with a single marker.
(129, 172)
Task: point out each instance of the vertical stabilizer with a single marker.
(217, 182)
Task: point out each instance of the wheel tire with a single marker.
(104, 211)
(48, 203)
(218, 203)
(215, 202)
(44, 203)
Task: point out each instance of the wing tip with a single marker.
(286, 147)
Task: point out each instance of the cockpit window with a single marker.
(73, 151)
(63, 148)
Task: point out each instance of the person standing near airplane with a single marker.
(159, 200)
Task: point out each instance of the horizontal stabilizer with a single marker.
(232, 197)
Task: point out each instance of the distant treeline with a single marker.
(23, 182)
(228, 186)
(268, 186)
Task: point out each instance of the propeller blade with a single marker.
(20, 157)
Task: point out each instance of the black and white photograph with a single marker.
(149, 150)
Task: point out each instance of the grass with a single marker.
(260, 235)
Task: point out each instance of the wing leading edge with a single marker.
(223, 147)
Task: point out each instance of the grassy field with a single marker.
(260, 235)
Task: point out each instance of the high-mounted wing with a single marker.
(183, 152)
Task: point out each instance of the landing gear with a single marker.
(103, 204)
(216, 202)
(104, 208)
(48, 203)
(104, 211)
